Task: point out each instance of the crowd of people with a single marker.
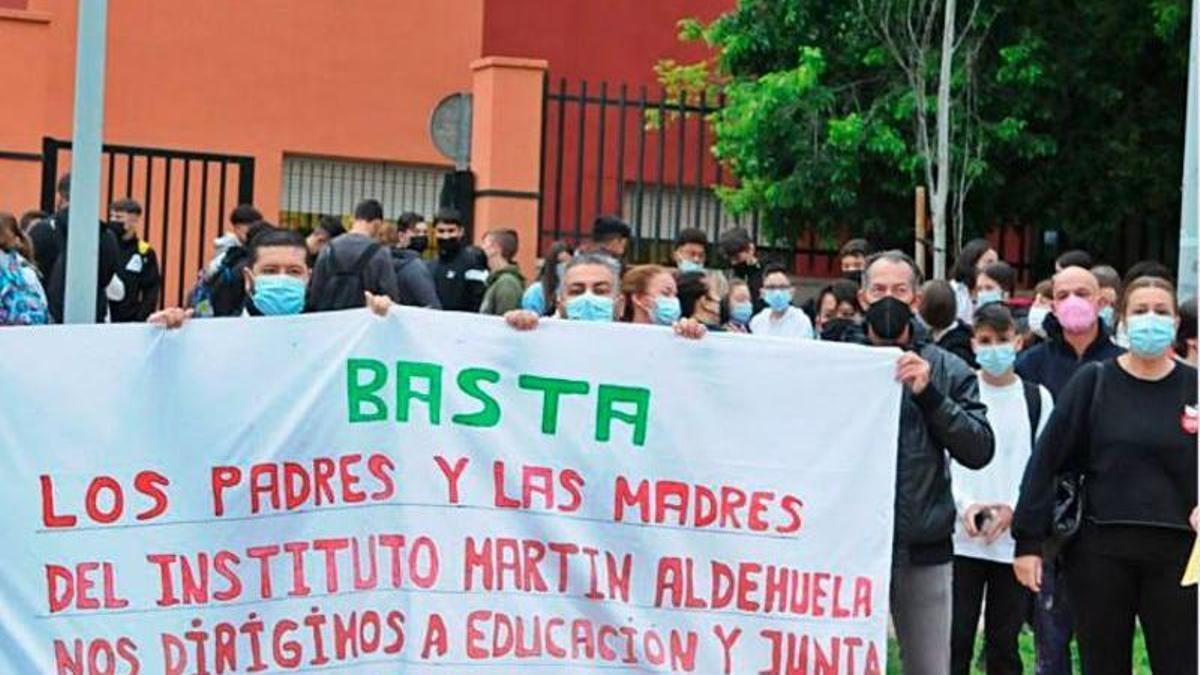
(1047, 463)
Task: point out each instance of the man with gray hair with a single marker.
(591, 291)
(941, 418)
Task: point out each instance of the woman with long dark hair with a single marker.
(1127, 428)
(976, 255)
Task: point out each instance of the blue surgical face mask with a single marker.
(1108, 316)
(988, 297)
(996, 359)
(534, 300)
(278, 294)
(686, 266)
(590, 307)
(667, 311)
(779, 299)
(1150, 335)
(741, 312)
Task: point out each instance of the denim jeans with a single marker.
(1053, 624)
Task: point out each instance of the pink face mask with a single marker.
(1075, 314)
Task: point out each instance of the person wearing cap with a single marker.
(941, 420)
(137, 265)
(328, 229)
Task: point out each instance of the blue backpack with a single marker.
(22, 300)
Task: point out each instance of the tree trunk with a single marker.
(941, 191)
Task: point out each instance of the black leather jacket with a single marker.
(946, 421)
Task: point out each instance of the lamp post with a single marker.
(84, 241)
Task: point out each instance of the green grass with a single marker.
(1141, 662)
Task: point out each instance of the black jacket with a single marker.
(50, 252)
(461, 279)
(137, 267)
(957, 341)
(414, 280)
(947, 417)
(221, 290)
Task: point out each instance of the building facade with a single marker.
(331, 98)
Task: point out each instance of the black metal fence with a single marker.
(185, 198)
(647, 158)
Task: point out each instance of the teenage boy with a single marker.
(983, 546)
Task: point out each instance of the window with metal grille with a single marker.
(653, 211)
(317, 186)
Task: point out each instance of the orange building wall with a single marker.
(354, 79)
(24, 78)
(351, 78)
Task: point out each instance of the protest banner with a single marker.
(437, 492)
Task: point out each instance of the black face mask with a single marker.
(418, 244)
(117, 227)
(839, 330)
(888, 318)
(853, 275)
(449, 247)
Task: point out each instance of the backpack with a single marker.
(223, 292)
(1033, 404)
(22, 301)
(345, 287)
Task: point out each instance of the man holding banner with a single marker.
(940, 413)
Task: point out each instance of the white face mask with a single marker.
(1037, 317)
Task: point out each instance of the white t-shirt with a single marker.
(793, 323)
(1000, 481)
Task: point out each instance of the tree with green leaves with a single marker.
(831, 111)
(909, 32)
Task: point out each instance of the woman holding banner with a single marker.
(651, 296)
(591, 291)
(1127, 427)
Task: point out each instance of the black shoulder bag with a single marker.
(1070, 492)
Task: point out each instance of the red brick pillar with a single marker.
(506, 148)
